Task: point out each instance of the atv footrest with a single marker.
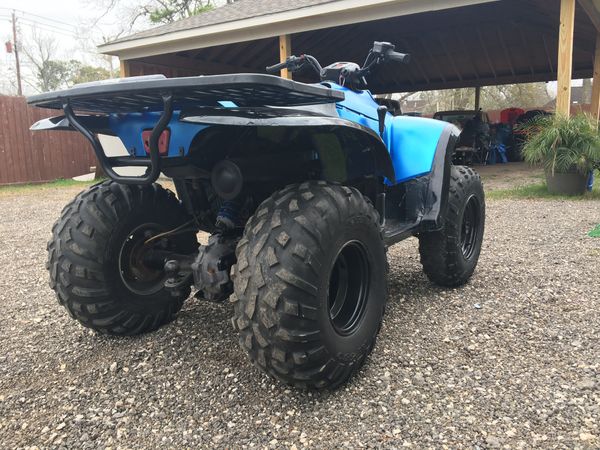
(397, 230)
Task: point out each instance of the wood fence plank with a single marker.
(3, 143)
(27, 148)
(35, 153)
(27, 156)
(13, 144)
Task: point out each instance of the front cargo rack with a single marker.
(155, 93)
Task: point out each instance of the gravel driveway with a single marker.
(512, 359)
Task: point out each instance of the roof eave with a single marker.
(326, 15)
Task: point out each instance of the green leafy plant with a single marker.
(167, 11)
(562, 144)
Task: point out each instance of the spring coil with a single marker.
(229, 214)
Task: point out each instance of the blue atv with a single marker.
(301, 187)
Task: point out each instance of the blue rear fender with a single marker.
(129, 127)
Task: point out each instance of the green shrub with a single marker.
(563, 144)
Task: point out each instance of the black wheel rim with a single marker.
(348, 288)
(137, 275)
(470, 227)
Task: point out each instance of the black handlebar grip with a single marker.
(399, 57)
(276, 67)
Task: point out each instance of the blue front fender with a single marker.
(413, 143)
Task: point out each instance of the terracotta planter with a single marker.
(571, 183)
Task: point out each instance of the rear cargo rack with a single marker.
(156, 93)
(139, 94)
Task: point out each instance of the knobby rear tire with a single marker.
(282, 284)
(84, 257)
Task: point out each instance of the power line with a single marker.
(66, 30)
(45, 27)
(35, 27)
(49, 19)
(48, 27)
(69, 29)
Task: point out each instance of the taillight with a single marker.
(163, 141)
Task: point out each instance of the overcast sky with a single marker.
(67, 22)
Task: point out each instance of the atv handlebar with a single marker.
(384, 51)
(295, 63)
(380, 53)
(398, 57)
(276, 67)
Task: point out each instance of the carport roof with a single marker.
(454, 43)
(247, 20)
(241, 9)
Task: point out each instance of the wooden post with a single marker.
(16, 49)
(596, 85)
(477, 98)
(565, 56)
(285, 51)
(123, 68)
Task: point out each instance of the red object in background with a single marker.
(163, 141)
(510, 115)
(9, 47)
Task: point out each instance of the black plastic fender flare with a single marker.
(317, 117)
(298, 118)
(439, 179)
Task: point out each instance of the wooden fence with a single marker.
(33, 157)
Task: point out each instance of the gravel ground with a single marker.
(511, 175)
(510, 360)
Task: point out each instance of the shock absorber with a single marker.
(227, 181)
(228, 216)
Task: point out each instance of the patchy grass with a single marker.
(540, 191)
(56, 184)
(595, 233)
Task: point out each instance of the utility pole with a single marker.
(16, 46)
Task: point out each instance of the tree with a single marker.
(167, 11)
(527, 96)
(129, 16)
(50, 74)
(53, 75)
(81, 73)
(530, 95)
(448, 99)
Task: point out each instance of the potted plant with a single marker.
(567, 147)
